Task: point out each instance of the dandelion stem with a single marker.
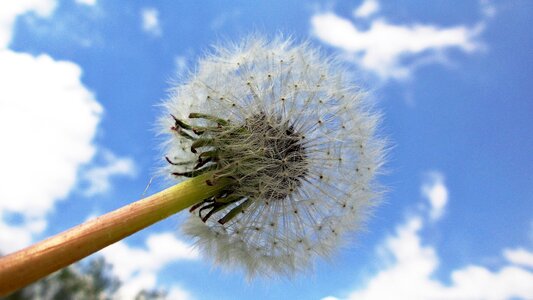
(28, 265)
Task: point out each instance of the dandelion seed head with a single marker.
(299, 141)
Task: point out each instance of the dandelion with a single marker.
(281, 151)
(297, 141)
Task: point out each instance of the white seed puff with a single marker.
(295, 135)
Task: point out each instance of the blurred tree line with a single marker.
(80, 281)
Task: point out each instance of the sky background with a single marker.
(80, 81)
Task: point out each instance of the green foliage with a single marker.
(151, 295)
(84, 280)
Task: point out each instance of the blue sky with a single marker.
(80, 81)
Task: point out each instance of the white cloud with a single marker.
(48, 120)
(86, 2)
(436, 192)
(178, 293)
(392, 51)
(519, 256)
(366, 9)
(409, 273)
(150, 21)
(10, 10)
(137, 267)
(99, 177)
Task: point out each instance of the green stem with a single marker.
(28, 265)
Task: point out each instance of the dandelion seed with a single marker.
(300, 177)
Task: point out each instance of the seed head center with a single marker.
(282, 162)
(265, 156)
